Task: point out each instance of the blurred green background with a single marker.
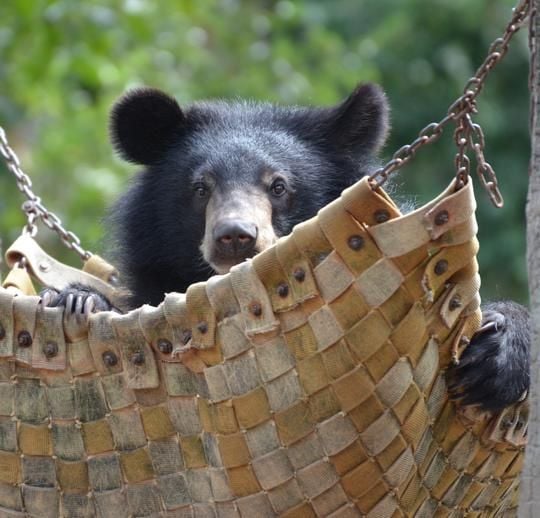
(63, 63)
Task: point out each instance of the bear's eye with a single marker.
(200, 189)
(278, 188)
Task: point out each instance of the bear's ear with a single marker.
(144, 123)
(360, 122)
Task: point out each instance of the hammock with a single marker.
(313, 383)
(306, 382)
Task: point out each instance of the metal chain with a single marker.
(33, 207)
(468, 135)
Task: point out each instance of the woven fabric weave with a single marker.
(308, 381)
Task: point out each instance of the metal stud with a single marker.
(109, 358)
(299, 274)
(256, 309)
(50, 350)
(164, 346)
(442, 217)
(137, 358)
(356, 242)
(186, 336)
(24, 339)
(44, 266)
(506, 423)
(455, 303)
(441, 267)
(322, 256)
(202, 327)
(381, 215)
(283, 290)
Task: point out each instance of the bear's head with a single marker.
(223, 180)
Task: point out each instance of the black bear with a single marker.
(221, 181)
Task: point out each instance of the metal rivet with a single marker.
(256, 309)
(356, 242)
(109, 358)
(44, 266)
(299, 274)
(506, 423)
(50, 350)
(283, 290)
(2, 332)
(24, 339)
(202, 327)
(381, 215)
(322, 256)
(442, 217)
(455, 303)
(137, 358)
(164, 346)
(441, 266)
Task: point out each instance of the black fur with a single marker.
(144, 123)
(494, 369)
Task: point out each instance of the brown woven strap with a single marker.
(307, 382)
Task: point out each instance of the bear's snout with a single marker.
(238, 226)
(235, 238)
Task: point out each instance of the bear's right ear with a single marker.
(144, 123)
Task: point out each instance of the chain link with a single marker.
(467, 135)
(485, 172)
(403, 155)
(461, 160)
(33, 207)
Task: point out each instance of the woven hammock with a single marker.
(308, 381)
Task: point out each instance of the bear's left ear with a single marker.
(144, 122)
(360, 122)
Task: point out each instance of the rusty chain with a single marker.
(467, 135)
(33, 206)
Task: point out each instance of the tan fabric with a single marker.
(50, 272)
(26, 313)
(457, 206)
(19, 281)
(307, 382)
(98, 267)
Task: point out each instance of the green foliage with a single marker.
(63, 63)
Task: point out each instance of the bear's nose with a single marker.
(235, 237)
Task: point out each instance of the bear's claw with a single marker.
(77, 299)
